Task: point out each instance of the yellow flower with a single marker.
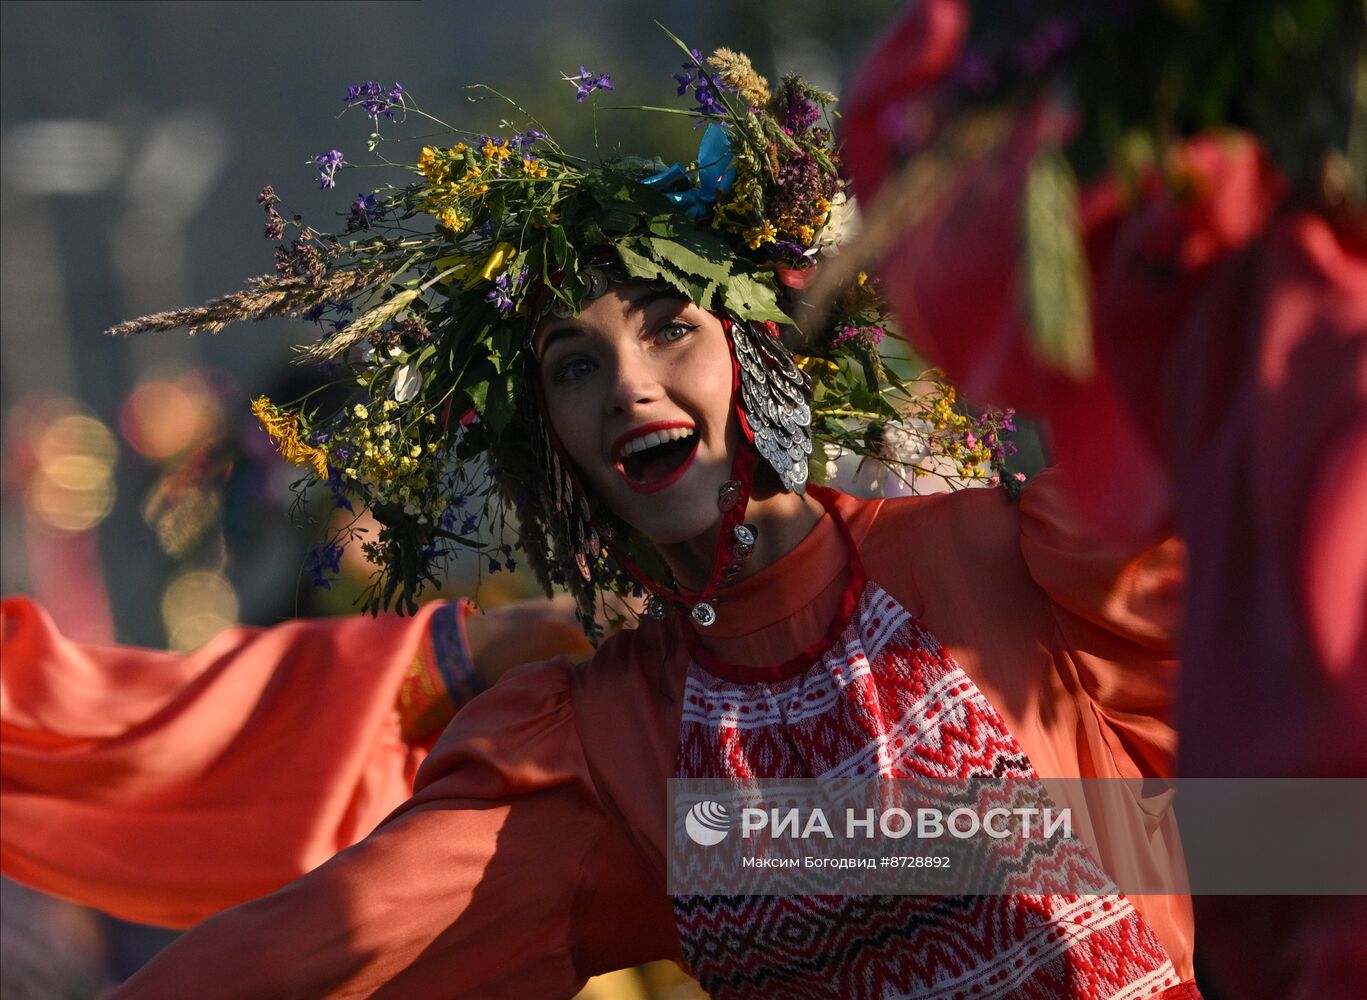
(813, 365)
(758, 235)
(495, 152)
(533, 167)
(451, 219)
(360, 411)
(284, 429)
(432, 168)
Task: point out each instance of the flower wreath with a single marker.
(428, 295)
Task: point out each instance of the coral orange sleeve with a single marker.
(468, 890)
(165, 787)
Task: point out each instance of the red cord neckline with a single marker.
(797, 664)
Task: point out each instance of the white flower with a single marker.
(406, 383)
(841, 225)
(853, 473)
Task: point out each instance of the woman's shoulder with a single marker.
(638, 673)
(966, 529)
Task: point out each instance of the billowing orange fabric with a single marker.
(163, 788)
(1229, 322)
(533, 853)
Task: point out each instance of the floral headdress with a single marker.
(428, 296)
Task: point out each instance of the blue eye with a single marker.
(672, 333)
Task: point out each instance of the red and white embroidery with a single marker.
(887, 700)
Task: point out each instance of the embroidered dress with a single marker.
(533, 852)
(886, 700)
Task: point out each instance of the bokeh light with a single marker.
(65, 459)
(196, 606)
(162, 417)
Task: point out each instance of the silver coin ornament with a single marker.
(597, 282)
(773, 395)
(746, 534)
(728, 495)
(656, 608)
(703, 613)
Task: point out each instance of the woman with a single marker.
(792, 631)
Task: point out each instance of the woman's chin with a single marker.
(665, 530)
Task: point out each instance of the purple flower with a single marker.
(705, 92)
(338, 490)
(328, 164)
(363, 211)
(505, 287)
(709, 100)
(525, 140)
(798, 111)
(468, 525)
(498, 295)
(375, 99)
(868, 336)
(587, 82)
(324, 560)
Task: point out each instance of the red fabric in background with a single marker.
(1230, 327)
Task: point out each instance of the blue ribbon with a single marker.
(716, 173)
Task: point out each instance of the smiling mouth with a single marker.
(654, 461)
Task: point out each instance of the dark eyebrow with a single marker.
(652, 295)
(643, 301)
(570, 329)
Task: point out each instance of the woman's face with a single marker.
(638, 387)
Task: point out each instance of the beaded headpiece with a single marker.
(428, 297)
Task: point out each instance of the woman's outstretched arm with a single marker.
(165, 787)
(468, 890)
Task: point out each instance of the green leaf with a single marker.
(870, 366)
(478, 393)
(502, 347)
(692, 253)
(500, 403)
(1056, 292)
(640, 266)
(748, 298)
(560, 251)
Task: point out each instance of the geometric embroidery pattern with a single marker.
(886, 700)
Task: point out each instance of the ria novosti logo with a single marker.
(707, 823)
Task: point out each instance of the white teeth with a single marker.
(654, 438)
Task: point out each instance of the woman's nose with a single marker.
(635, 384)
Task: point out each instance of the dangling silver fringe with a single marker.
(774, 393)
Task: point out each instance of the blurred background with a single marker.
(137, 488)
(139, 500)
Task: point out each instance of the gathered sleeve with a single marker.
(164, 787)
(467, 890)
(1117, 606)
